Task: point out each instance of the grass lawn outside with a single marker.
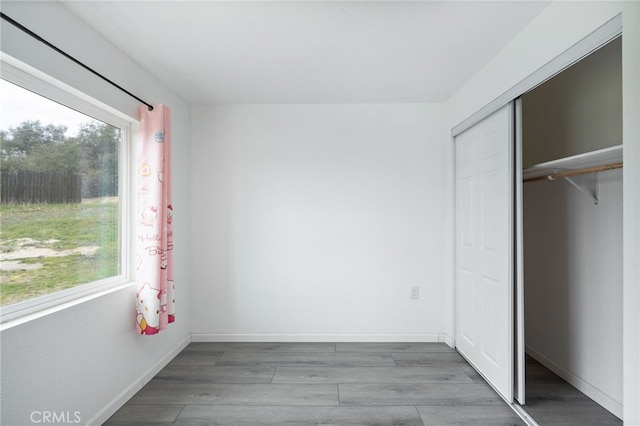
(45, 248)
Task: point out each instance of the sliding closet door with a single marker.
(519, 358)
(484, 247)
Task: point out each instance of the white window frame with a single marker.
(34, 80)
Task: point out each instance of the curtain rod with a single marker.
(66, 55)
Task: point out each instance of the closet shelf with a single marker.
(576, 164)
(574, 172)
(588, 163)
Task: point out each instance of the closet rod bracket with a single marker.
(591, 194)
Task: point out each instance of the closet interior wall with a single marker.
(572, 246)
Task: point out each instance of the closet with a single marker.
(572, 235)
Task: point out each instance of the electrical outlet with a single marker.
(415, 292)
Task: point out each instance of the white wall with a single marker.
(87, 357)
(313, 221)
(556, 29)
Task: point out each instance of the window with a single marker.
(64, 173)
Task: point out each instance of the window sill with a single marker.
(36, 311)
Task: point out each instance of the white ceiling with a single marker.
(212, 52)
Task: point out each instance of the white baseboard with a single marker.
(586, 388)
(108, 411)
(450, 341)
(315, 337)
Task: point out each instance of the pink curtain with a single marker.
(155, 303)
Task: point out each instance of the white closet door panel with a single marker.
(467, 306)
(484, 248)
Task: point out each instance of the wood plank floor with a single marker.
(552, 401)
(316, 383)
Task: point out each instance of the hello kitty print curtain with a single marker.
(155, 303)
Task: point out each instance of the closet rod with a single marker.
(575, 172)
(71, 58)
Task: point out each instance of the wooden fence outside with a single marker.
(40, 187)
